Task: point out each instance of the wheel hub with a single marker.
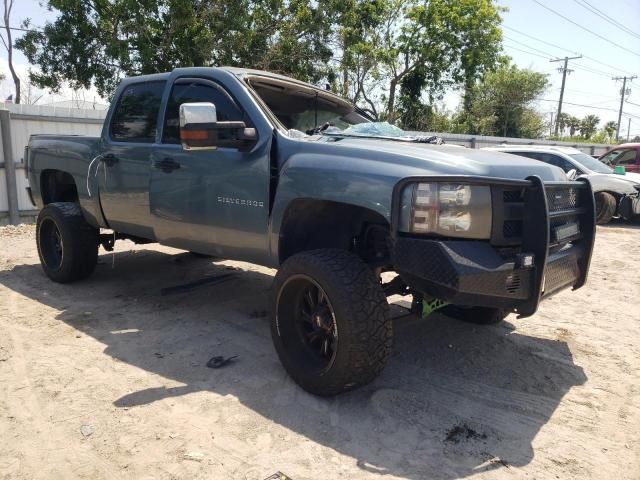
(318, 323)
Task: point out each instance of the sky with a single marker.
(533, 35)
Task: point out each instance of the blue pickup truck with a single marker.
(254, 166)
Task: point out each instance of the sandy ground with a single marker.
(108, 379)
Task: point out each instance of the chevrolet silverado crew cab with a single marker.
(258, 167)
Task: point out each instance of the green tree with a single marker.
(358, 40)
(99, 41)
(574, 124)
(588, 125)
(610, 129)
(563, 122)
(438, 43)
(502, 103)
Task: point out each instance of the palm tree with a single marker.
(562, 122)
(588, 125)
(610, 128)
(574, 124)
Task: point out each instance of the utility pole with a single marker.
(628, 129)
(564, 70)
(550, 123)
(623, 92)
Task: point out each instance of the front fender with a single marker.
(349, 181)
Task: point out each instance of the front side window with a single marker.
(608, 158)
(626, 157)
(135, 118)
(226, 108)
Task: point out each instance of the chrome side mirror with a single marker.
(201, 130)
(572, 174)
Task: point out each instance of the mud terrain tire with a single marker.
(67, 244)
(351, 311)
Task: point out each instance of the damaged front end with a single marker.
(492, 242)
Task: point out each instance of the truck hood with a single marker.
(407, 159)
(634, 177)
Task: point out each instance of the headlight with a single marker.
(447, 209)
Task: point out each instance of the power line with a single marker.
(592, 94)
(595, 71)
(525, 51)
(590, 106)
(564, 48)
(606, 18)
(538, 40)
(586, 29)
(528, 46)
(17, 29)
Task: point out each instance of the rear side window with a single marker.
(135, 118)
(198, 91)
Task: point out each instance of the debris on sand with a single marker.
(187, 287)
(278, 476)
(194, 456)
(220, 361)
(86, 430)
(463, 432)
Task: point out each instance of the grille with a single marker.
(512, 228)
(562, 199)
(513, 196)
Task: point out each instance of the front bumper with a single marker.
(552, 223)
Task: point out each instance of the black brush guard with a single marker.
(552, 223)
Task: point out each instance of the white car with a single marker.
(615, 194)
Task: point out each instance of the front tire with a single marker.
(330, 321)
(605, 207)
(67, 244)
(477, 315)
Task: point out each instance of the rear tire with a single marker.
(605, 207)
(330, 321)
(477, 315)
(67, 244)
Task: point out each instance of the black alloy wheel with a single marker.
(51, 245)
(310, 323)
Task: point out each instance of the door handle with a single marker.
(167, 165)
(109, 159)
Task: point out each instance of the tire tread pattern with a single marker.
(81, 257)
(608, 208)
(369, 333)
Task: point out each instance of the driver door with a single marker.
(209, 201)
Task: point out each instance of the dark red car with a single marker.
(627, 155)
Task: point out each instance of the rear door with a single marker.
(209, 201)
(123, 169)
